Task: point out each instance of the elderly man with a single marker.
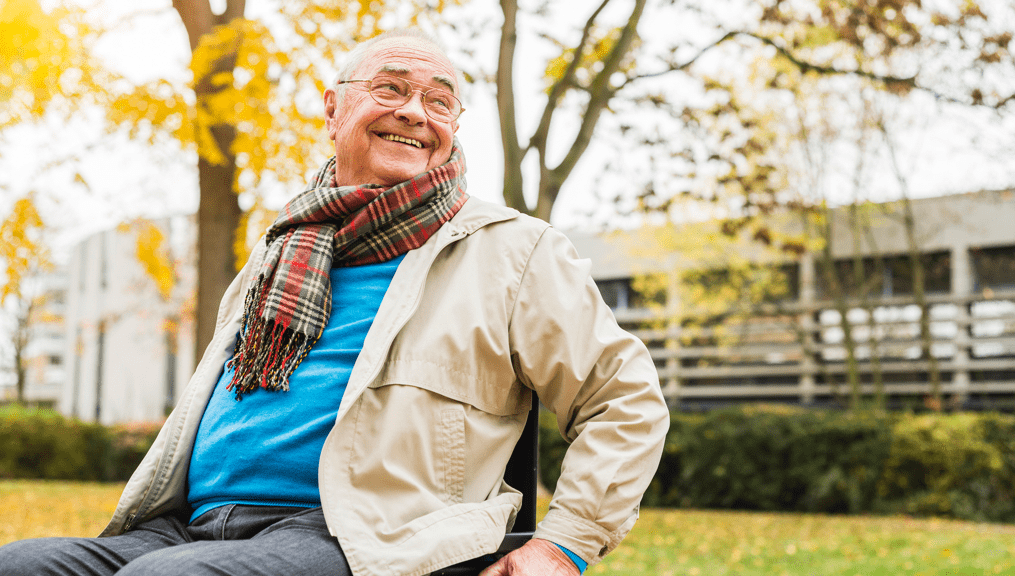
(370, 375)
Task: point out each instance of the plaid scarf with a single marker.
(288, 306)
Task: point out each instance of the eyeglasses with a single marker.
(389, 91)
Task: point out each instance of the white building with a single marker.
(45, 351)
(129, 344)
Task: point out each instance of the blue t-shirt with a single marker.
(264, 449)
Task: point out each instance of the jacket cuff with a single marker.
(588, 540)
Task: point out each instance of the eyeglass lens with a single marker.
(438, 103)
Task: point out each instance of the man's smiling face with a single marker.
(375, 144)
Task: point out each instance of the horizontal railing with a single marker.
(796, 352)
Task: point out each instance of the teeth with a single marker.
(409, 141)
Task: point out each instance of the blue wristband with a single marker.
(581, 564)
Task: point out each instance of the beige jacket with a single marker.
(411, 475)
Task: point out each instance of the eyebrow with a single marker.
(402, 69)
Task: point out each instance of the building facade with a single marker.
(45, 349)
(128, 325)
(36, 325)
(849, 320)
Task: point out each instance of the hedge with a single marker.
(771, 458)
(778, 458)
(42, 444)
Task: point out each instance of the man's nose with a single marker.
(412, 111)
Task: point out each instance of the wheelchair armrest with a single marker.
(512, 541)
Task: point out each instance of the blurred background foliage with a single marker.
(777, 458)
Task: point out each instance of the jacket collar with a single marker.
(475, 214)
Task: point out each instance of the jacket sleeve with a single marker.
(602, 384)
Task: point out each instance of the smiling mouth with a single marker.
(403, 140)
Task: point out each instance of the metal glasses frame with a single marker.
(408, 96)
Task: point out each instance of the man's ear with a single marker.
(330, 111)
(454, 127)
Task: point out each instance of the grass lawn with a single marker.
(31, 508)
(664, 542)
(716, 543)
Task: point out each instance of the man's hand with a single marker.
(536, 558)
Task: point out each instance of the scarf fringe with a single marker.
(267, 353)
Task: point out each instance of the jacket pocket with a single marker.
(415, 441)
(494, 392)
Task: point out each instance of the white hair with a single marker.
(360, 52)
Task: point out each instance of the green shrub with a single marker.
(941, 466)
(764, 458)
(130, 442)
(752, 458)
(42, 444)
(795, 459)
(551, 449)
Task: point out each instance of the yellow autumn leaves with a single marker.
(22, 250)
(36, 509)
(32, 49)
(592, 58)
(153, 254)
(41, 57)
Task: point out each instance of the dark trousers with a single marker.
(226, 541)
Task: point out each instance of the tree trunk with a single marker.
(218, 218)
(20, 342)
(599, 89)
(218, 213)
(549, 188)
(865, 287)
(839, 297)
(513, 153)
(935, 401)
(920, 298)
(20, 371)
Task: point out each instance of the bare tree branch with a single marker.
(674, 67)
(538, 140)
(889, 80)
(907, 82)
(600, 93)
(1004, 101)
(809, 67)
(513, 153)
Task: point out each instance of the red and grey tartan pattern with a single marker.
(288, 305)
